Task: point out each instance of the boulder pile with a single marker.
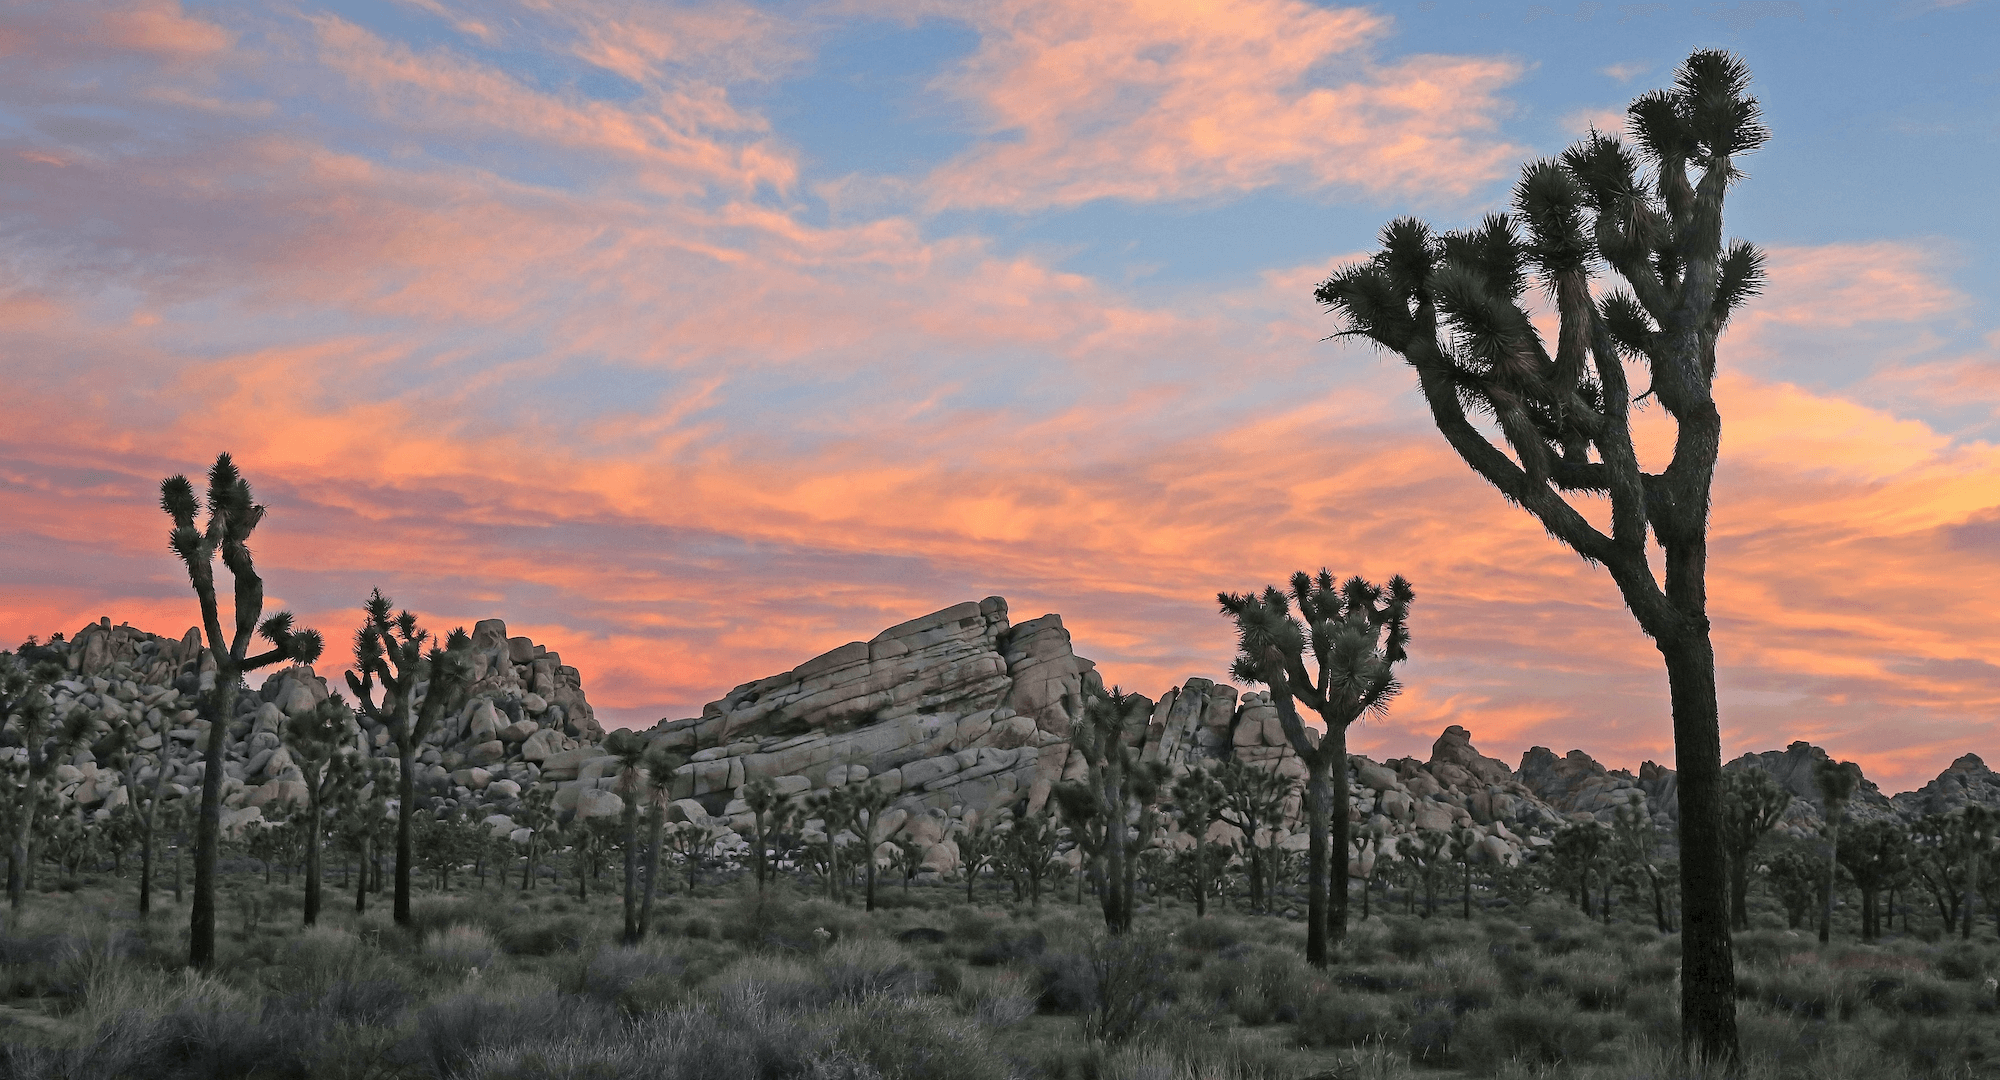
(960, 714)
(525, 707)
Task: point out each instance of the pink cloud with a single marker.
(1187, 100)
(688, 436)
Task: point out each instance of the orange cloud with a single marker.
(684, 433)
(1187, 100)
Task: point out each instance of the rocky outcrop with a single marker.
(525, 706)
(1965, 782)
(960, 713)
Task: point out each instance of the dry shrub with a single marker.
(456, 950)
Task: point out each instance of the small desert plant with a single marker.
(456, 950)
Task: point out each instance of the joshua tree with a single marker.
(391, 651)
(1579, 849)
(1796, 878)
(630, 749)
(1030, 846)
(867, 800)
(1116, 781)
(536, 815)
(144, 802)
(1635, 839)
(1198, 796)
(1977, 826)
(1451, 305)
(1752, 803)
(1464, 845)
(978, 845)
(1836, 781)
(659, 765)
(1253, 801)
(768, 813)
(835, 809)
(322, 744)
(1937, 860)
(232, 516)
(25, 705)
(1356, 634)
(1874, 854)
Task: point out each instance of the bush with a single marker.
(456, 950)
(634, 980)
(1329, 1016)
(1134, 985)
(1543, 1030)
(546, 936)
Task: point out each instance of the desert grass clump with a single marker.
(1331, 1016)
(456, 951)
(546, 935)
(1542, 1029)
(1260, 985)
(997, 999)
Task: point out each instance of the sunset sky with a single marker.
(696, 339)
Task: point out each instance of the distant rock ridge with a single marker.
(525, 707)
(961, 713)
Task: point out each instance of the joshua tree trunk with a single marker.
(630, 814)
(314, 820)
(659, 817)
(361, 877)
(1319, 796)
(208, 828)
(406, 809)
(1971, 883)
(17, 862)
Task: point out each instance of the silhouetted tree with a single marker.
(868, 799)
(1117, 783)
(1198, 797)
(1356, 634)
(769, 812)
(418, 688)
(1452, 306)
(233, 514)
(1253, 801)
(1874, 854)
(321, 743)
(1836, 781)
(27, 707)
(1798, 879)
(1752, 803)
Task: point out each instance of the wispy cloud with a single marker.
(507, 348)
(1184, 100)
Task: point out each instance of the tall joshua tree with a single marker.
(1451, 305)
(1356, 634)
(1752, 803)
(1198, 799)
(391, 651)
(1837, 781)
(26, 707)
(629, 748)
(322, 744)
(1115, 781)
(869, 799)
(232, 516)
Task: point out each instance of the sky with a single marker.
(697, 339)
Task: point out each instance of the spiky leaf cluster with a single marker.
(1454, 305)
(1354, 633)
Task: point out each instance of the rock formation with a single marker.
(526, 706)
(961, 713)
